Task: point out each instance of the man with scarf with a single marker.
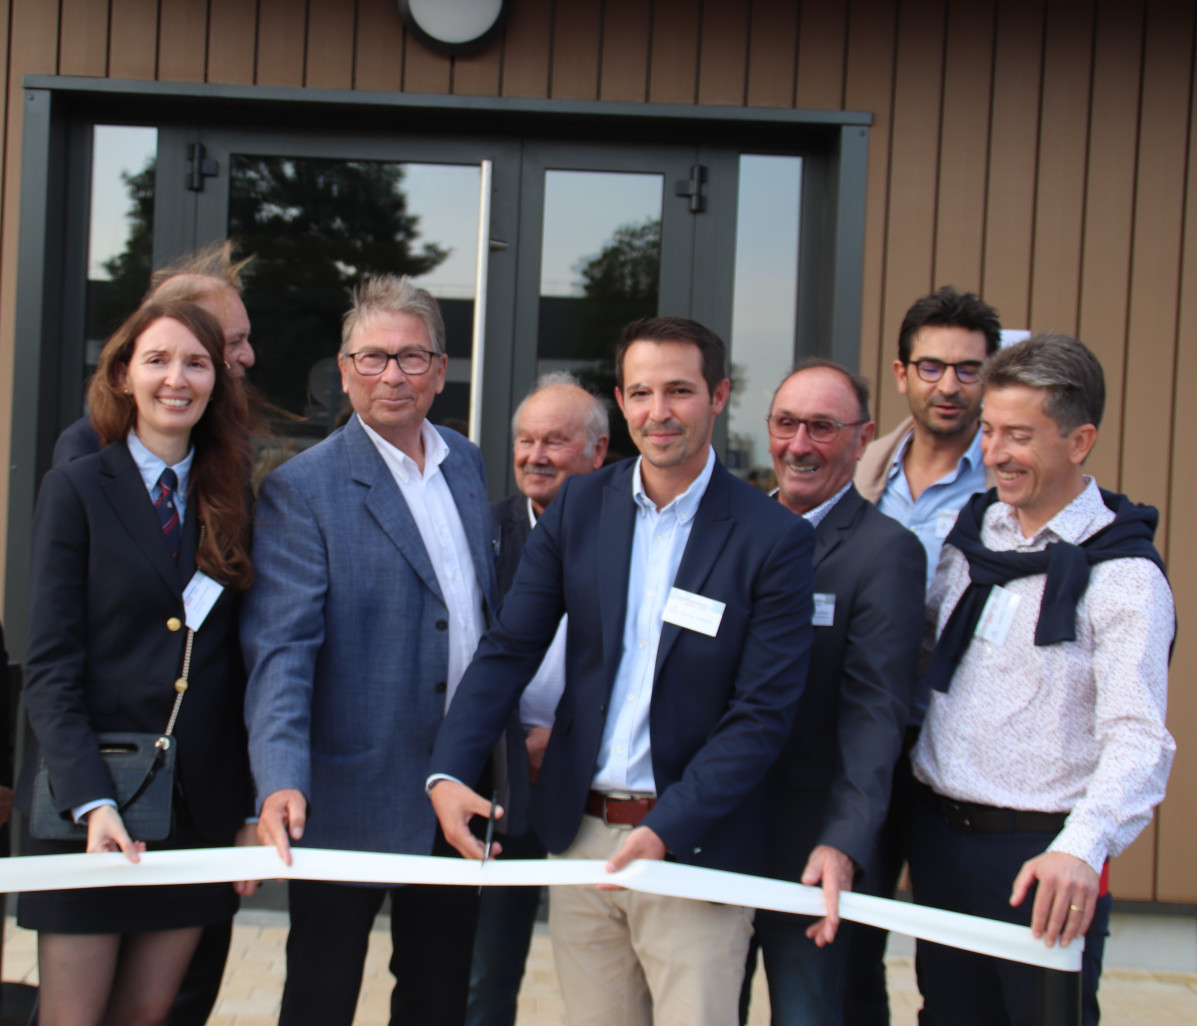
(1044, 749)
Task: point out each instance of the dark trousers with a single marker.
(506, 917)
(866, 1000)
(806, 982)
(201, 986)
(432, 930)
(973, 873)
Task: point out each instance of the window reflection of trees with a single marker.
(315, 227)
(619, 284)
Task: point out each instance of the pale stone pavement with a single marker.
(254, 978)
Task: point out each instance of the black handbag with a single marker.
(142, 768)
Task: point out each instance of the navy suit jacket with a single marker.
(832, 782)
(101, 655)
(77, 439)
(512, 527)
(721, 707)
(345, 633)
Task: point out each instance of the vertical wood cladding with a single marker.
(1038, 151)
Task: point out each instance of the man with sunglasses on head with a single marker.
(374, 577)
(921, 474)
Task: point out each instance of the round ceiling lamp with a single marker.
(454, 26)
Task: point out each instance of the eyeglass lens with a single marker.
(932, 370)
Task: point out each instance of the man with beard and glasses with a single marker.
(921, 474)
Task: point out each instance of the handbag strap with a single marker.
(159, 760)
(181, 684)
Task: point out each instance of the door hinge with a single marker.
(201, 167)
(692, 187)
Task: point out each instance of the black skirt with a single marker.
(126, 909)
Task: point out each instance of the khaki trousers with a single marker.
(630, 959)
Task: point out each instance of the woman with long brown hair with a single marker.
(118, 536)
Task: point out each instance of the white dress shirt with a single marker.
(439, 523)
(658, 543)
(538, 703)
(1074, 727)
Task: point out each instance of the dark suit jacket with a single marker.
(511, 527)
(721, 707)
(345, 632)
(101, 656)
(832, 782)
(79, 439)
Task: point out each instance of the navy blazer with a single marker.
(832, 782)
(102, 656)
(511, 527)
(345, 633)
(721, 707)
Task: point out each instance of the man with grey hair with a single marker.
(1044, 750)
(559, 430)
(374, 576)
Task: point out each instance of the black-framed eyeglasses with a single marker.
(968, 372)
(783, 426)
(372, 362)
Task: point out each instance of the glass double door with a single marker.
(538, 252)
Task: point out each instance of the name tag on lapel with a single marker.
(199, 597)
(824, 610)
(694, 612)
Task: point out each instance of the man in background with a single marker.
(920, 474)
(559, 430)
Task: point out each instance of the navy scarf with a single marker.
(1066, 566)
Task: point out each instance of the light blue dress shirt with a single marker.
(658, 542)
(150, 467)
(933, 515)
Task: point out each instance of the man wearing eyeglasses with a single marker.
(829, 791)
(374, 577)
(921, 474)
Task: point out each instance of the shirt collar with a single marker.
(150, 467)
(971, 457)
(531, 513)
(435, 450)
(1070, 525)
(815, 516)
(686, 504)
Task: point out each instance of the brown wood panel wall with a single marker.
(1041, 151)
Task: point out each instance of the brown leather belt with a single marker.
(618, 811)
(970, 818)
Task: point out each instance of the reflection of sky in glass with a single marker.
(764, 316)
(445, 198)
(581, 211)
(115, 148)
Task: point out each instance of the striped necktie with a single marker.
(168, 513)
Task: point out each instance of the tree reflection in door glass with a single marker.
(600, 269)
(316, 227)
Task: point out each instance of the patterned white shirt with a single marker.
(1074, 727)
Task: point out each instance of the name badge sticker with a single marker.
(945, 520)
(997, 615)
(199, 597)
(694, 612)
(824, 610)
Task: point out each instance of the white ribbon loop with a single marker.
(220, 865)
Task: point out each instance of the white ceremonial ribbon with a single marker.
(221, 865)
